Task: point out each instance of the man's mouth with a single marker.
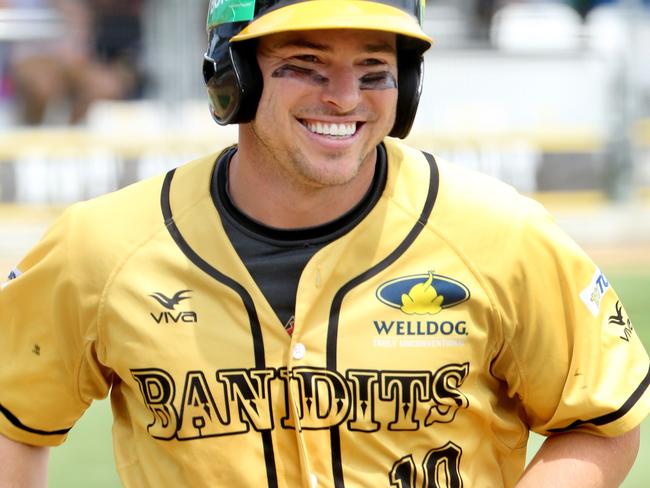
(346, 129)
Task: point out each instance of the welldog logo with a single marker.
(425, 294)
(173, 317)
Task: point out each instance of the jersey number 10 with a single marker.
(441, 469)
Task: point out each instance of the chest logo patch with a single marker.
(171, 315)
(424, 294)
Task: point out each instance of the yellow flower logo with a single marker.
(422, 299)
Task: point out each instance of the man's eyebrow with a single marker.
(298, 42)
(380, 47)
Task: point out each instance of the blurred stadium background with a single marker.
(552, 97)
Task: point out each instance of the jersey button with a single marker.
(299, 351)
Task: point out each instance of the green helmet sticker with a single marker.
(225, 11)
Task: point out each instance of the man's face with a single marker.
(329, 98)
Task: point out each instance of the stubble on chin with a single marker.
(331, 169)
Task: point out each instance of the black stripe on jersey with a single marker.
(612, 416)
(14, 420)
(333, 327)
(253, 319)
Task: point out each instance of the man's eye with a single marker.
(293, 68)
(374, 77)
(378, 81)
(306, 58)
(373, 62)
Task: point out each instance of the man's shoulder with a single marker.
(91, 242)
(142, 200)
(460, 194)
(458, 188)
(120, 220)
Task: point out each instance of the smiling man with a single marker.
(327, 102)
(320, 305)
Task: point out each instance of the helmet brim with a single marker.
(337, 14)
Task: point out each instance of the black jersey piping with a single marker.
(15, 421)
(612, 416)
(256, 330)
(335, 310)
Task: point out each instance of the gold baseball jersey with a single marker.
(428, 340)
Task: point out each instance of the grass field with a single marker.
(86, 458)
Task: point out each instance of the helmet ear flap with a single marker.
(410, 68)
(234, 84)
(244, 60)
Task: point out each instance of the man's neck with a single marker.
(272, 197)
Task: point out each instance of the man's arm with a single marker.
(22, 466)
(584, 460)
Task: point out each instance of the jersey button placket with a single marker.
(298, 351)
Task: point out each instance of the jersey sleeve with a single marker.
(51, 370)
(572, 354)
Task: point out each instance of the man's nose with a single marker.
(342, 89)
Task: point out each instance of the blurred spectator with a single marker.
(585, 6)
(118, 38)
(95, 57)
(42, 70)
(483, 12)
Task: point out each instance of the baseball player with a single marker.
(320, 305)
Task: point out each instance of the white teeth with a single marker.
(338, 130)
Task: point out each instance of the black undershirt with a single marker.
(276, 257)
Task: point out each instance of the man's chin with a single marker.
(332, 169)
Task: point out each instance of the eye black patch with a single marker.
(382, 80)
(303, 74)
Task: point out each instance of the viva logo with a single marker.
(171, 316)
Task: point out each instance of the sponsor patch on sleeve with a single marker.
(593, 294)
(13, 274)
